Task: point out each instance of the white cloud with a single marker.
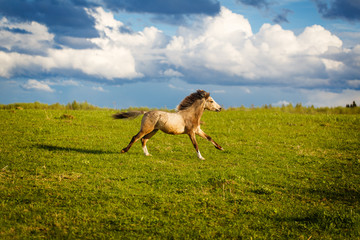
(225, 44)
(144, 47)
(354, 83)
(321, 98)
(171, 73)
(247, 90)
(172, 86)
(115, 33)
(213, 43)
(281, 103)
(100, 89)
(214, 50)
(12, 62)
(33, 84)
(117, 54)
(26, 37)
(108, 64)
(317, 40)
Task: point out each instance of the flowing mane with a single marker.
(189, 100)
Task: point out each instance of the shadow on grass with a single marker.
(325, 220)
(71, 149)
(350, 196)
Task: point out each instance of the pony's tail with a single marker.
(124, 115)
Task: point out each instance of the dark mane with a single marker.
(189, 100)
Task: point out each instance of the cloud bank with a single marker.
(225, 46)
(216, 49)
(62, 17)
(69, 18)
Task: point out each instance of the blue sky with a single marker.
(154, 53)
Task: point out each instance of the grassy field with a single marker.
(281, 176)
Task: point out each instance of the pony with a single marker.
(186, 120)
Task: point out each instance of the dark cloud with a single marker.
(261, 4)
(282, 17)
(255, 3)
(346, 9)
(174, 7)
(171, 19)
(69, 17)
(65, 17)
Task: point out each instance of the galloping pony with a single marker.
(186, 120)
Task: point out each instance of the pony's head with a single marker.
(211, 105)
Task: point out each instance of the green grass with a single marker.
(281, 176)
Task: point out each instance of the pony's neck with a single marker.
(195, 112)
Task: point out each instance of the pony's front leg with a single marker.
(202, 134)
(193, 140)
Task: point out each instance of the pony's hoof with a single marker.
(220, 148)
(123, 151)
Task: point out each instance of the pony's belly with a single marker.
(172, 130)
(172, 124)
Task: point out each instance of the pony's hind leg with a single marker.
(133, 140)
(147, 127)
(145, 139)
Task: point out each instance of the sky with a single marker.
(141, 53)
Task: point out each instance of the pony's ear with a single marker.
(203, 94)
(207, 95)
